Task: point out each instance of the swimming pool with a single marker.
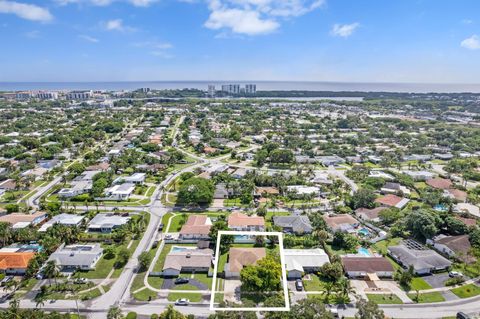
(364, 232)
(440, 208)
(180, 248)
(363, 251)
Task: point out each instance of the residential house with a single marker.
(380, 174)
(240, 257)
(103, 166)
(189, 260)
(394, 188)
(453, 246)
(302, 261)
(8, 185)
(392, 200)
(136, 178)
(303, 190)
(242, 222)
(439, 183)
(341, 222)
(78, 188)
(293, 224)
(120, 191)
(106, 223)
(62, 219)
(14, 262)
(79, 256)
(423, 260)
(264, 191)
(330, 160)
(419, 175)
(21, 220)
(370, 215)
(364, 266)
(196, 227)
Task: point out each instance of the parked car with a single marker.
(6, 280)
(181, 280)
(182, 302)
(79, 281)
(160, 227)
(299, 285)
(455, 274)
(462, 315)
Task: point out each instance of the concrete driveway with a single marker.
(436, 280)
(231, 290)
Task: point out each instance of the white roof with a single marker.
(297, 259)
(64, 219)
(300, 189)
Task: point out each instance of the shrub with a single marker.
(454, 281)
(131, 315)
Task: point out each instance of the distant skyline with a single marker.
(412, 41)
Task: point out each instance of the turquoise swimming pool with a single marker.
(364, 251)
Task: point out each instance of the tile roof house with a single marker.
(196, 227)
(392, 200)
(453, 246)
(361, 266)
(262, 191)
(15, 263)
(456, 194)
(467, 221)
(72, 257)
(20, 220)
(8, 185)
(239, 221)
(240, 257)
(187, 260)
(369, 214)
(103, 166)
(293, 224)
(301, 261)
(439, 183)
(341, 222)
(423, 260)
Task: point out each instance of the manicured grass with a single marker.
(219, 297)
(419, 284)
(144, 294)
(177, 222)
(203, 278)
(384, 299)
(382, 245)
(165, 219)
(427, 297)
(222, 261)
(193, 297)
(90, 294)
(467, 291)
(314, 284)
(156, 282)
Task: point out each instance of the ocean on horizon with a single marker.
(261, 86)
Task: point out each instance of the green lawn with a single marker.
(315, 284)
(144, 294)
(419, 284)
(222, 261)
(165, 219)
(384, 299)
(203, 278)
(193, 297)
(382, 245)
(177, 222)
(428, 297)
(185, 287)
(467, 291)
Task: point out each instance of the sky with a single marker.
(424, 41)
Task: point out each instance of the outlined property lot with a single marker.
(233, 285)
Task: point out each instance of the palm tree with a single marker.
(114, 313)
(5, 232)
(328, 289)
(51, 271)
(345, 289)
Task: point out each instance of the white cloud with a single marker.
(255, 17)
(88, 38)
(344, 30)
(241, 21)
(117, 25)
(26, 11)
(472, 43)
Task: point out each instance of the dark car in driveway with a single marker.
(181, 280)
(299, 285)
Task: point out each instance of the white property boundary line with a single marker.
(282, 261)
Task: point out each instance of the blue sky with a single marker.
(436, 41)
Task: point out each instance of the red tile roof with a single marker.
(196, 224)
(15, 260)
(389, 200)
(237, 219)
(439, 183)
